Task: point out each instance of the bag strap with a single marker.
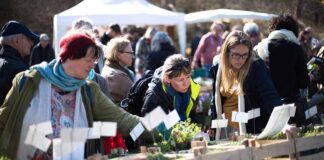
(88, 91)
(22, 82)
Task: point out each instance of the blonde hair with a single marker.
(174, 66)
(115, 46)
(230, 76)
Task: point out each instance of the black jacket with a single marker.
(40, 54)
(156, 59)
(259, 93)
(155, 96)
(288, 68)
(10, 64)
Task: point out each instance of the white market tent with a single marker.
(216, 14)
(123, 12)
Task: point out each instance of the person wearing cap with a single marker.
(43, 51)
(16, 41)
(59, 92)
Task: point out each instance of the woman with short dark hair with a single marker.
(172, 88)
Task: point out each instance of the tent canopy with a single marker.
(123, 12)
(216, 14)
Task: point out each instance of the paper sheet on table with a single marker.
(94, 132)
(41, 142)
(74, 134)
(66, 134)
(30, 135)
(67, 150)
(37, 139)
(45, 127)
(80, 134)
(203, 135)
(219, 123)
(171, 119)
(254, 113)
(108, 129)
(36, 135)
(311, 112)
(292, 110)
(154, 118)
(241, 117)
(277, 121)
(137, 131)
(57, 153)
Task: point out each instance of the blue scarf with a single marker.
(54, 73)
(181, 101)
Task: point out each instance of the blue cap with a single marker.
(14, 27)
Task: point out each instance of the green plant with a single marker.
(165, 146)
(156, 156)
(181, 136)
(278, 136)
(4, 158)
(310, 130)
(248, 135)
(183, 132)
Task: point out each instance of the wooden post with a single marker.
(199, 147)
(291, 136)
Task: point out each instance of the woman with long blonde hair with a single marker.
(241, 83)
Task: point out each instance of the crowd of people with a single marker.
(92, 75)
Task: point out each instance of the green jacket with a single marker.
(16, 104)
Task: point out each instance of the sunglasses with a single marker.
(179, 66)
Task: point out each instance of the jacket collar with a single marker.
(10, 52)
(116, 65)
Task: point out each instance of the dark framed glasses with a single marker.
(238, 56)
(129, 52)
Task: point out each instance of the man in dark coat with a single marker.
(16, 41)
(43, 51)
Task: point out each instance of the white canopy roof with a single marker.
(216, 14)
(123, 12)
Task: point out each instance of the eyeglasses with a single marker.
(238, 56)
(129, 52)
